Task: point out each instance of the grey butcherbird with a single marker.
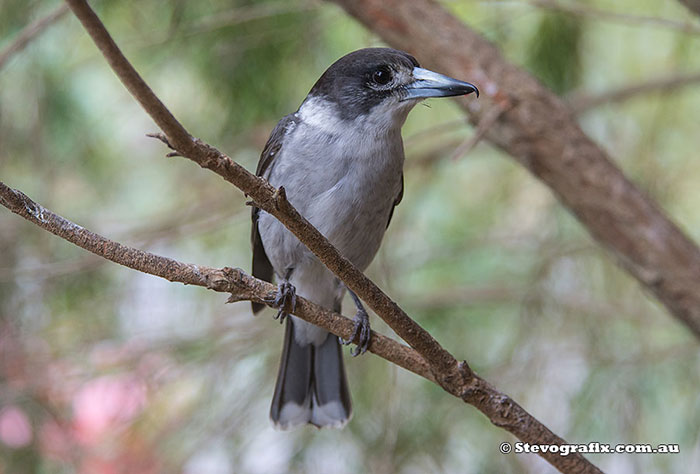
(340, 159)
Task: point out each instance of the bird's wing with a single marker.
(262, 268)
(273, 145)
(396, 203)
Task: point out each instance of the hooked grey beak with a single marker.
(432, 84)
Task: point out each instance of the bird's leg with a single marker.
(286, 293)
(362, 331)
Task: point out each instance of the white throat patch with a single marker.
(386, 116)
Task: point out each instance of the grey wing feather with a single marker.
(262, 268)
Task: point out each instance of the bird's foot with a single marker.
(362, 332)
(286, 296)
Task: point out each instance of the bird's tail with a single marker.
(311, 385)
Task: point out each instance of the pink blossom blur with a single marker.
(15, 428)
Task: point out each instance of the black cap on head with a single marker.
(363, 79)
(351, 83)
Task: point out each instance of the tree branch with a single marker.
(541, 132)
(692, 5)
(497, 406)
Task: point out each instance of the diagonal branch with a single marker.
(541, 132)
(497, 406)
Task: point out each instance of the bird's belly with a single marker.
(355, 227)
(352, 214)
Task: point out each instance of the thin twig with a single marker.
(485, 124)
(30, 32)
(586, 11)
(245, 14)
(440, 128)
(229, 18)
(582, 103)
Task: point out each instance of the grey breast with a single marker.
(345, 187)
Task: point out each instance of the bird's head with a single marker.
(380, 86)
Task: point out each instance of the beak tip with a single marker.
(428, 84)
(470, 88)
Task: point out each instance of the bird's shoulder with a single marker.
(272, 148)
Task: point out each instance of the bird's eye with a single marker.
(382, 76)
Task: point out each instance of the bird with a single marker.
(340, 159)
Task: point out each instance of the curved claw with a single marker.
(286, 293)
(361, 331)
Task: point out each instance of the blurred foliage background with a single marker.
(106, 370)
